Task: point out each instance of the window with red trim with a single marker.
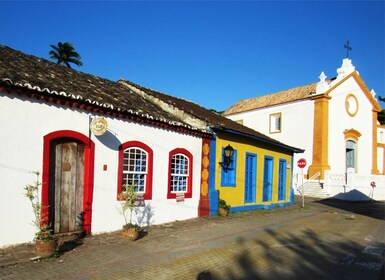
(180, 173)
(135, 167)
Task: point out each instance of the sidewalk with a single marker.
(247, 245)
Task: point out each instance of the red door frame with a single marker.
(89, 155)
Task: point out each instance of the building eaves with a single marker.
(213, 120)
(22, 71)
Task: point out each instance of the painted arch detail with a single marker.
(86, 176)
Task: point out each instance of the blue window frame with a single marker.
(229, 174)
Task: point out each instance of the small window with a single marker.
(351, 149)
(228, 174)
(180, 173)
(275, 123)
(135, 168)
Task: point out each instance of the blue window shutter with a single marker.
(229, 175)
(282, 180)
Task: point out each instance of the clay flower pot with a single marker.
(131, 233)
(223, 212)
(45, 248)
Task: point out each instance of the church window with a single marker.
(275, 122)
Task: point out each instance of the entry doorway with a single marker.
(267, 179)
(66, 186)
(250, 177)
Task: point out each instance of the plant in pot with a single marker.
(127, 199)
(45, 242)
(223, 208)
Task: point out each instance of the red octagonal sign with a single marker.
(301, 163)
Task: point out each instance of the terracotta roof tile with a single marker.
(286, 96)
(214, 120)
(20, 70)
(24, 71)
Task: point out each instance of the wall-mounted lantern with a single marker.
(228, 153)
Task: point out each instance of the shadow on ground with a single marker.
(69, 243)
(373, 209)
(302, 256)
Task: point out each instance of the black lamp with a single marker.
(228, 155)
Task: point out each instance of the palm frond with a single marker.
(64, 54)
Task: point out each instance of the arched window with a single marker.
(135, 168)
(180, 173)
(350, 154)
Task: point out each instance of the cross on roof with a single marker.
(348, 48)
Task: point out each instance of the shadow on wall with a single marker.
(109, 140)
(144, 215)
(302, 256)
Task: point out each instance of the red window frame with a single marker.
(136, 144)
(188, 193)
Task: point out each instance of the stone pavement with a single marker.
(324, 240)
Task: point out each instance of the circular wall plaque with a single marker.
(99, 126)
(351, 104)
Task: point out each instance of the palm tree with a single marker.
(65, 54)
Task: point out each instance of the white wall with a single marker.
(297, 120)
(340, 120)
(25, 122)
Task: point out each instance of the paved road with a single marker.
(324, 240)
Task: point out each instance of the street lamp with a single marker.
(228, 153)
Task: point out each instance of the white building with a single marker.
(335, 122)
(45, 119)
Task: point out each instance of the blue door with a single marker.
(282, 180)
(267, 178)
(250, 177)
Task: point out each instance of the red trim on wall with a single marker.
(132, 144)
(204, 201)
(188, 193)
(89, 155)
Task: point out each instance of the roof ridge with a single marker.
(271, 99)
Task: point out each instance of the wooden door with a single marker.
(250, 177)
(267, 179)
(66, 186)
(282, 180)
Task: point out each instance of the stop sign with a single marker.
(301, 163)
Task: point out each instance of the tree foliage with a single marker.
(64, 54)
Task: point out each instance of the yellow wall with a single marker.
(235, 195)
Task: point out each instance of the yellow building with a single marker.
(258, 174)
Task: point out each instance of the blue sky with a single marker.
(213, 53)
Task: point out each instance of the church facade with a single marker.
(335, 122)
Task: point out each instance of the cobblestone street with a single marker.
(324, 240)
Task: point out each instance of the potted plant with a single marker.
(223, 208)
(45, 242)
(127, 199)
